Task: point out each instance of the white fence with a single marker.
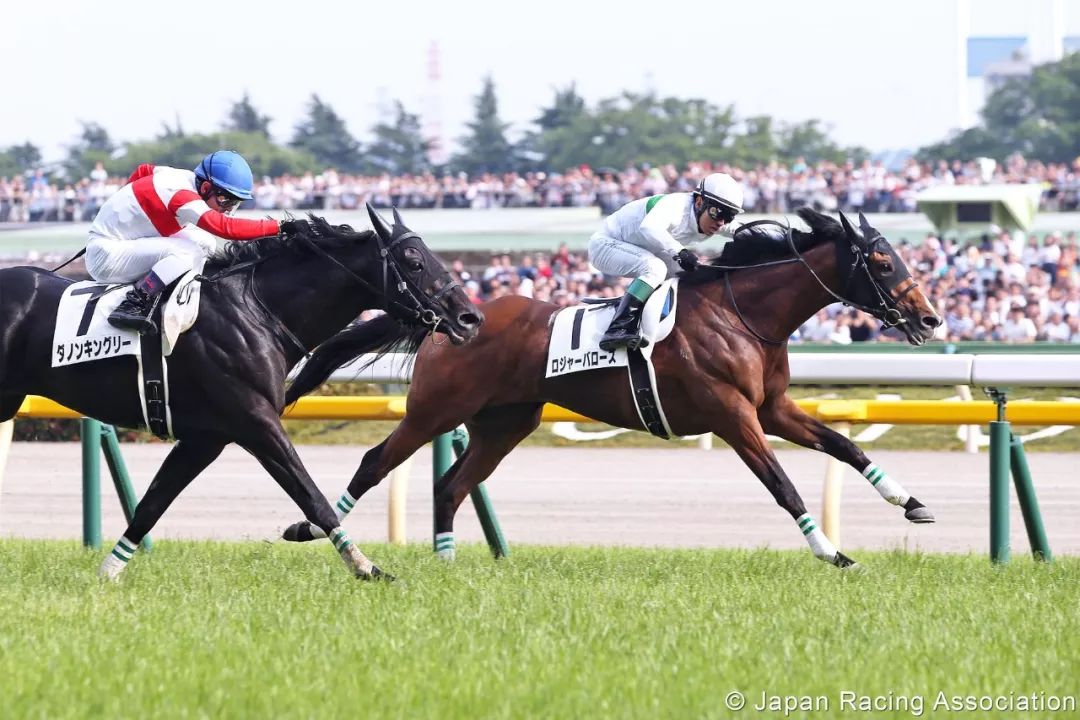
(1004, 370)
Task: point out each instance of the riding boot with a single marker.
(625, 328)
(133, 313)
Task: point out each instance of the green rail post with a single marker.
(442, 458)
(482, 503)
(110, 445)
(999, 482)
(89, 434)
(1029, 505)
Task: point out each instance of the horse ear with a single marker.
(849, 229)
(397, 219)
(868, 230)
(379, 223)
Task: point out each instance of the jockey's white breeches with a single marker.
(123, 261)
(623, 259)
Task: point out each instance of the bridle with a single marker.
(886, 308)
(419, 309)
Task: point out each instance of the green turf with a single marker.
(256, 630)
(901, 437)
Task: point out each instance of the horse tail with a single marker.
(380, 336)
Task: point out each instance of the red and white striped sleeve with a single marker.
(188, 207)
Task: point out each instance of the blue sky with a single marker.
(880, 74)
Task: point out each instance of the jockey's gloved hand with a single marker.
(687, 259)
(288, 228)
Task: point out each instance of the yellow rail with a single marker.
(899, 412)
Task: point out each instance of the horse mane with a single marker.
(379, 336)
(754, 244)
(317, 230)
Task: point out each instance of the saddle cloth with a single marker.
(576, 331)
(82, 332)
(575, 347)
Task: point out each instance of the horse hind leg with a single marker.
(782, 417)
(493, 433)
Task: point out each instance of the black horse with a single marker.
(265, 305)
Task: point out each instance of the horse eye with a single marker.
(886, 268)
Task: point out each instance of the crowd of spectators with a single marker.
(1005, 288)
(773, 188)
(1008, 287)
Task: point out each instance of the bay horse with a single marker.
(724, 368)
(265, 304)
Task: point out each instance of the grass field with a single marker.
(901, 437)
(257, 630)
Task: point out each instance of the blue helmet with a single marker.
(227, 170)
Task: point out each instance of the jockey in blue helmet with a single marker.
(137, 235)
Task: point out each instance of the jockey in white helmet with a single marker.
(645, 239)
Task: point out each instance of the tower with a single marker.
(432, 122)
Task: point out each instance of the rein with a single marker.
(886, 310)
(419, 312)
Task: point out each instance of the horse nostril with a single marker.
(931, 321)
(470, 319)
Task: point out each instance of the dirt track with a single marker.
(687, 498)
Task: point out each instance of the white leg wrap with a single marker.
(888, 488)
(316, 531)
(344, 505)
(351, 554)
(444, 545)
(117, 559)
(111, 567)
(820, 545)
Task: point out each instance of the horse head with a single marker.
(878, 280)
(418, 287)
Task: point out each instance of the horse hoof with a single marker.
(843, 562)
(920, 516)
(298, 532)
(917, 513)
(380, 575)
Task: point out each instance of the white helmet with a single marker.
(721, 189)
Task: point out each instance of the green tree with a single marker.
(93, 146)
(18, 159)
(399, 147)
(323, 136)
(558, 134)
(757, 144)
(638, 128)
(185, 151)
(244, 118)
(485, 147)
(808, 140)
(566, 108)
(1037, 115)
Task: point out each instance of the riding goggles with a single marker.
(718, 212)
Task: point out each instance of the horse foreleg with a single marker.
(740, 428)
(493, 433)
(378, 462)
(184, 462)
(270, 445)
(782, 417)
